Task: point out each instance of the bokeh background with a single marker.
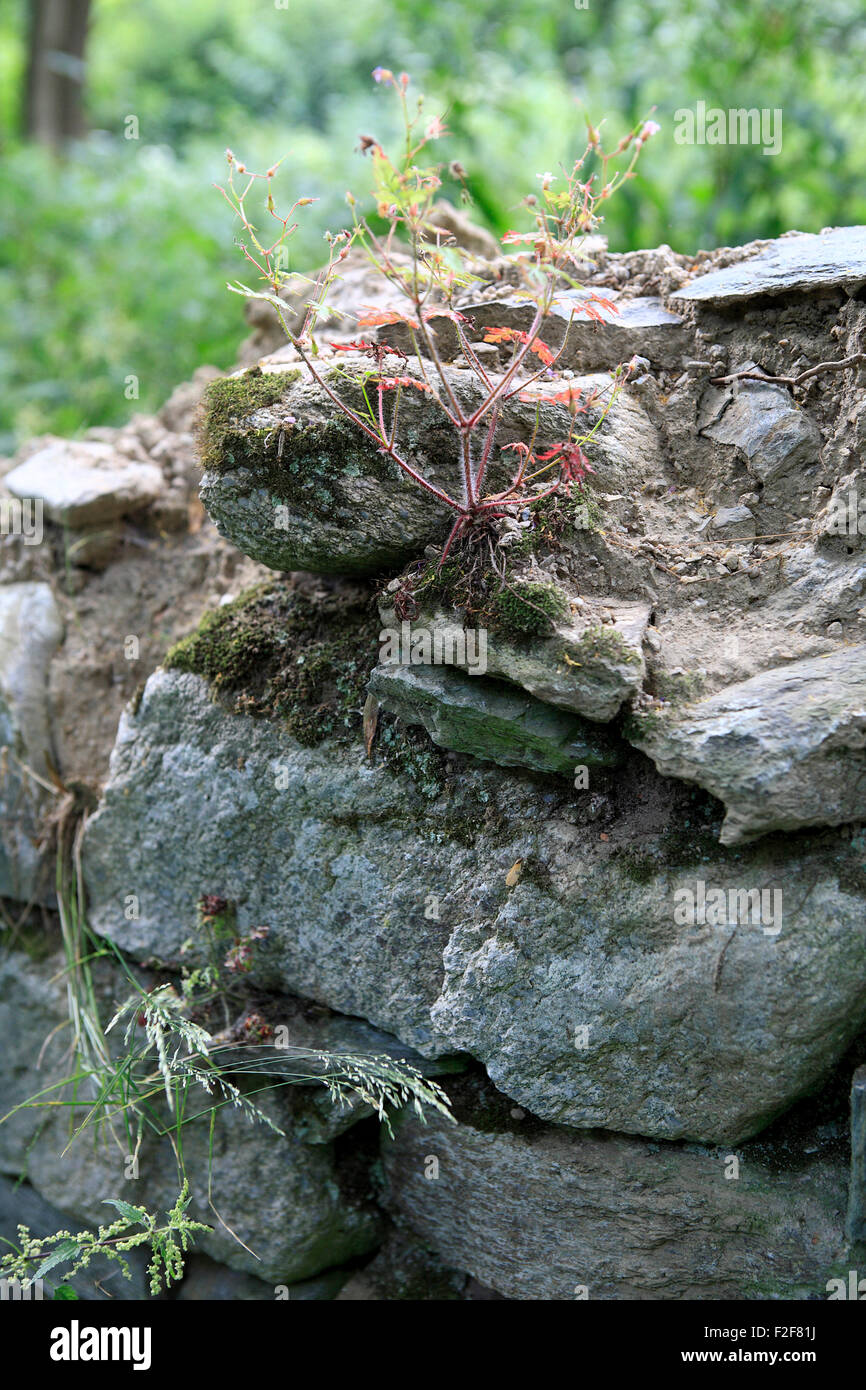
(115, 251)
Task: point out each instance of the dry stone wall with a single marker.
(604, 882)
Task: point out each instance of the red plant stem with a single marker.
(381, 393)
(498, 390)
(458, 417)
(432, 389)
(452, 535)
(488, 445)
(547, 367)
(471, 357)
(466, 447)
(394, 415)
(503, 499)
(252, 260)
(385, 445)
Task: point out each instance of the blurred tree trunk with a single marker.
(54, 92)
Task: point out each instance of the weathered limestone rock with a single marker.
(488, 720)
(783, 750)
(549, 1215)
(295, 485)
(797, 263)
(84, 484)
(841, 525)
(30, 632)
(762, 429)
(591, 664)
(255, 779)
(639, 326)
(732, 523)
(554, 956)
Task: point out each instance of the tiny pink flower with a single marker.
(649, 129)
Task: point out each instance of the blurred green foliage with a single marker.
(114, 262)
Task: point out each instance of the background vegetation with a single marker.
(114, 254)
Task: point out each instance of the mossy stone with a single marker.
(528, 609)
(277, 653)
(227, 402)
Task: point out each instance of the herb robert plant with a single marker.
(415, 256)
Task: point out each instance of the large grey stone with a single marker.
(83, 484)
(774, 438)
(31, 630)
(295, 485)
(834, 259)
(488, 720)
(492, 920)
(783, 750)
(556, 1216)
(316, 494)
(731, 523)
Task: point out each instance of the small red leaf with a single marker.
(371, 317)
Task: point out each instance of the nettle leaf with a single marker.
(136, 1214)
(66, 1250)
(64, 1291)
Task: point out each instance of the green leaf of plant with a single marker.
(131, 1213)
(64, 1291)
(66, 1250)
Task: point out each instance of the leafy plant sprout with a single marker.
(168, 1071)
(564, 211)
(168, 1241)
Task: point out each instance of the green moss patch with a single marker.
(226, 404)
(519, 608)
(678, 687)
(314, 457)
(604, 643)
(558, 521)
(277, 652)
(528, 609)
(298, 461)
(411, 751)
